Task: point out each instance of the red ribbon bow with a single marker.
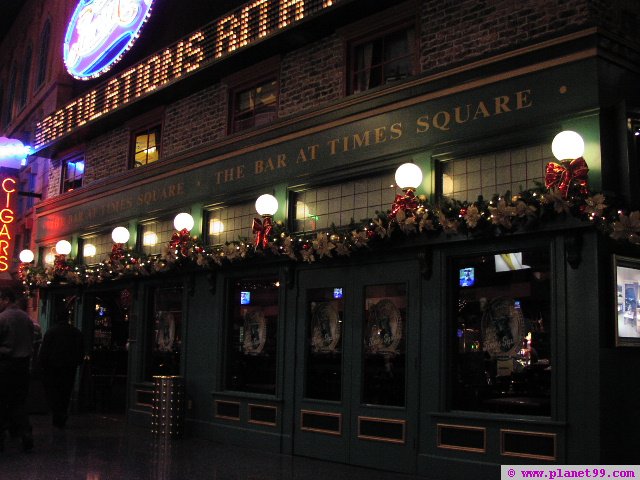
(262, 230)
(404, 202)
(117, 252)
(180, 242)
(564, 175)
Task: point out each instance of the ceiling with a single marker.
(10, 10)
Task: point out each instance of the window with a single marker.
(96, 248)
(255, 106)
(43, 54)
(26, 74)
(319, 208)
(500, 333)
(251, 351)
(383, 59)
(146, 146)
(228, 224)
(11, 95)
(164, 341)
(72, 173)
(495, 173)
(156, 235)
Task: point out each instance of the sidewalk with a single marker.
(98, 447)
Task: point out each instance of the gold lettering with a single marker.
(360, 140)
(333, 144)
(4, 231)
(313, 149)
(263, 18)
(502, 104)
(481, 111)
(444, 123)
(6, 214)
(380, 134)
(523, 99)
(423, 124)
(458, 117)
(282, 161)
(195, 54)
(302, 156)
(4, 266)
(226, 35)
(396, 131)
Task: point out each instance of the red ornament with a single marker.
(573, 174)
(262, 229)
(407, 203)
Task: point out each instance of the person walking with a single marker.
(60, 354)
(16, 343)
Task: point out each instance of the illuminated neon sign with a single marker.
(100, 32)
(13, 154)
(7, 217)
(247, 25)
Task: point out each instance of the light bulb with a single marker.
(567, 145)
(26, 256)
(408, 175)
(149, 239)
(183, 221)
(216, 227)
(266, 205)
(63, 247)
(120, 235)
(89, 250)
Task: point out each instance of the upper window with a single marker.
(26, 73)
(383, 59)
(11, 95)
(43, 54)
(254, 106)
(72, 173)
(146, 146)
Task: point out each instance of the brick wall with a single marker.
(106, 155)
(312, 76)
(197, 119)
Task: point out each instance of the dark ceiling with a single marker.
(10, 9)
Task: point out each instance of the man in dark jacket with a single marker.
(60, 354)
(16, 343)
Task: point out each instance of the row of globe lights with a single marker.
(565, 145)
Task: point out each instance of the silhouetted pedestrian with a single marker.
(16, 343)
(60, 354)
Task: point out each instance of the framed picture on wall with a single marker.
(627, 275)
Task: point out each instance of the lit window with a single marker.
(146, 147)
(156, 235)
(72, 174)
(254, 106)
(382, 60)
(230, 223)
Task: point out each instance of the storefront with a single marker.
(410, 345)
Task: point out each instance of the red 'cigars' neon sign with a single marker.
(6, 218)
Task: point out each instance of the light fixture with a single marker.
(266, 206)
(120, 235)
(49, 258)
(408, 178)
(149, 239)
(26, 256)
(216, 227)
(567, 145)
(89, 250)
(183, 221)
(63, 247)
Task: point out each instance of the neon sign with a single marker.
(100, 32)
(7, 217)
(247, 25)
(13, 154)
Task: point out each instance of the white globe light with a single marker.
(120, 235)
(216, 227)
(567, 145)
(26, 256)
(182, 221)
(408, 175)
(266, 204)
(149, 239)
(89, 250)
(63, 247)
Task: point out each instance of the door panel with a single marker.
(356, 395)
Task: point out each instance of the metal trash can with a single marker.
(167, 418)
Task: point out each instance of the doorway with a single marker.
(356, 367)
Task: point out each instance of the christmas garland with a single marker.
(410, 216)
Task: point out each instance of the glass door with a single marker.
(356, 393)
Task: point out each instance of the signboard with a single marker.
(100, 32)
(7, 217)
(247, 25)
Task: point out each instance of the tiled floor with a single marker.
(95, 447)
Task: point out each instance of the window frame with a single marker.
(251, 78)
(26, 78)
(43, 55)
(396, 18)
(64, 162)
(154, 128)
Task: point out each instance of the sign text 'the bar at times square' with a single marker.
(240, 28)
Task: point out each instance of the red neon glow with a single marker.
(7, 217)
